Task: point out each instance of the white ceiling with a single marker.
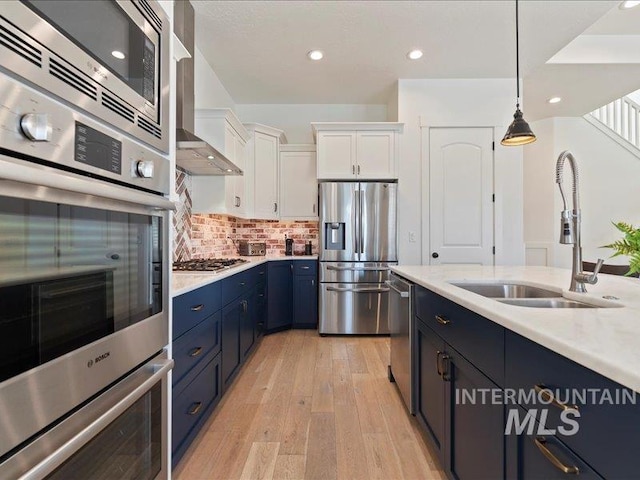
(258, 48)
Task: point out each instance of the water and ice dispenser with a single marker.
(334, 236)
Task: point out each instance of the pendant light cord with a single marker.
(517, 61)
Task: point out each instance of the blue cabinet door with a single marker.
(248, 326)
(544, 457)
(279, 295)
(429, 384)
(305, 301)
(230, 327)
(474, 428)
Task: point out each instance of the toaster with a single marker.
(249, 249)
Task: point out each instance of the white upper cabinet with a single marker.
(364, 151)
(262, 164)
(227, 193)
(298, 182)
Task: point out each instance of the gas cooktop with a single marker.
(207, 264)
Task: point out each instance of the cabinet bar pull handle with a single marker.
(442, 320)
(195, 352)
(195, 408)
(353, 169)
(438, 370)
(305, 268)
(314, 208)
(541, 444)
(546, 395)
(358, 169)
(242, 284)
(197, 308)
(275, 207)
(261, 273)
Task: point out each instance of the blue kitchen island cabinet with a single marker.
(305, 294)
(279, 295)
(460, 355)
(468, 436)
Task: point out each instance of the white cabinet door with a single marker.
(376, 157)
(265, 173)
(336, 155)
(240, 181)
(461, 190)
(298, 186)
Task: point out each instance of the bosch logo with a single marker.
(99, 358)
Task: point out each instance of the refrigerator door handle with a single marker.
(360, 204)
(356, 222)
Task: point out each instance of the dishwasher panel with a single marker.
(401, 332)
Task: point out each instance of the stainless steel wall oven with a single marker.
(109, 58)
(83, 289)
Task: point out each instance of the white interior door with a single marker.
(461, 195)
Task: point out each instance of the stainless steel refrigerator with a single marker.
(357, 246)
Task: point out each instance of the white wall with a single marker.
(608, 178)
(209, 90)
(295, 119)
(457, 103)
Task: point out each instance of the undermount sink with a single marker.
(508, 290)
(545, 303)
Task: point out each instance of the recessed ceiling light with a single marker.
(628, 4)
(315, 55)
(118, 54)
(554, 100)
(414, 54)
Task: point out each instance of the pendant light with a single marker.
(519, 132)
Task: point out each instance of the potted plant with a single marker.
(628, 245)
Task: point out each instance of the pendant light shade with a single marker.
(519, 132)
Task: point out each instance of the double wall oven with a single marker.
(83, 240)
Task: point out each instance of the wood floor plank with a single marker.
(296, 428)
(324, 352)
(303, 382)
(322, 399)
(342, 384)
(382, 461)
(321, 452)
(290, 467)
(350, 453)
(369, 414)
(261, 461)
(357, 363)
(339, 349)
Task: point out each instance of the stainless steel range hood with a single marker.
(193, 154)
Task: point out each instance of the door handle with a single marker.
(403, 294)
(195, 352)
(555, 461)
(546, 395)
(435, 255)
(358, 290)
(356, 228)
(360, 204)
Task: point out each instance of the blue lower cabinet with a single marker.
(230, 326)
(429, 388)
(193, 404)
(192, 347)
(305, 301)
(248, 321)
(545, 457)
(279, 295)
(474, 428)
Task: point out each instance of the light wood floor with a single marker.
(310, 407)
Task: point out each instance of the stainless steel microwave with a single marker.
(109, 58)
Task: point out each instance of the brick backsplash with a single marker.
(204, 236)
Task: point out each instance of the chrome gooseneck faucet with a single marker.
(570, 228)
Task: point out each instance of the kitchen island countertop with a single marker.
(606, 340)
(183, 282)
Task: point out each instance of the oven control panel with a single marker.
(45, 131)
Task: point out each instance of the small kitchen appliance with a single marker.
(288, 246)
(250, 249)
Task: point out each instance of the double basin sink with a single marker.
(522, 295)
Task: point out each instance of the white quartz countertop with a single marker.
(606, 340)
(183, 282)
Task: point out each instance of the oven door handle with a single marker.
(160, 369)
